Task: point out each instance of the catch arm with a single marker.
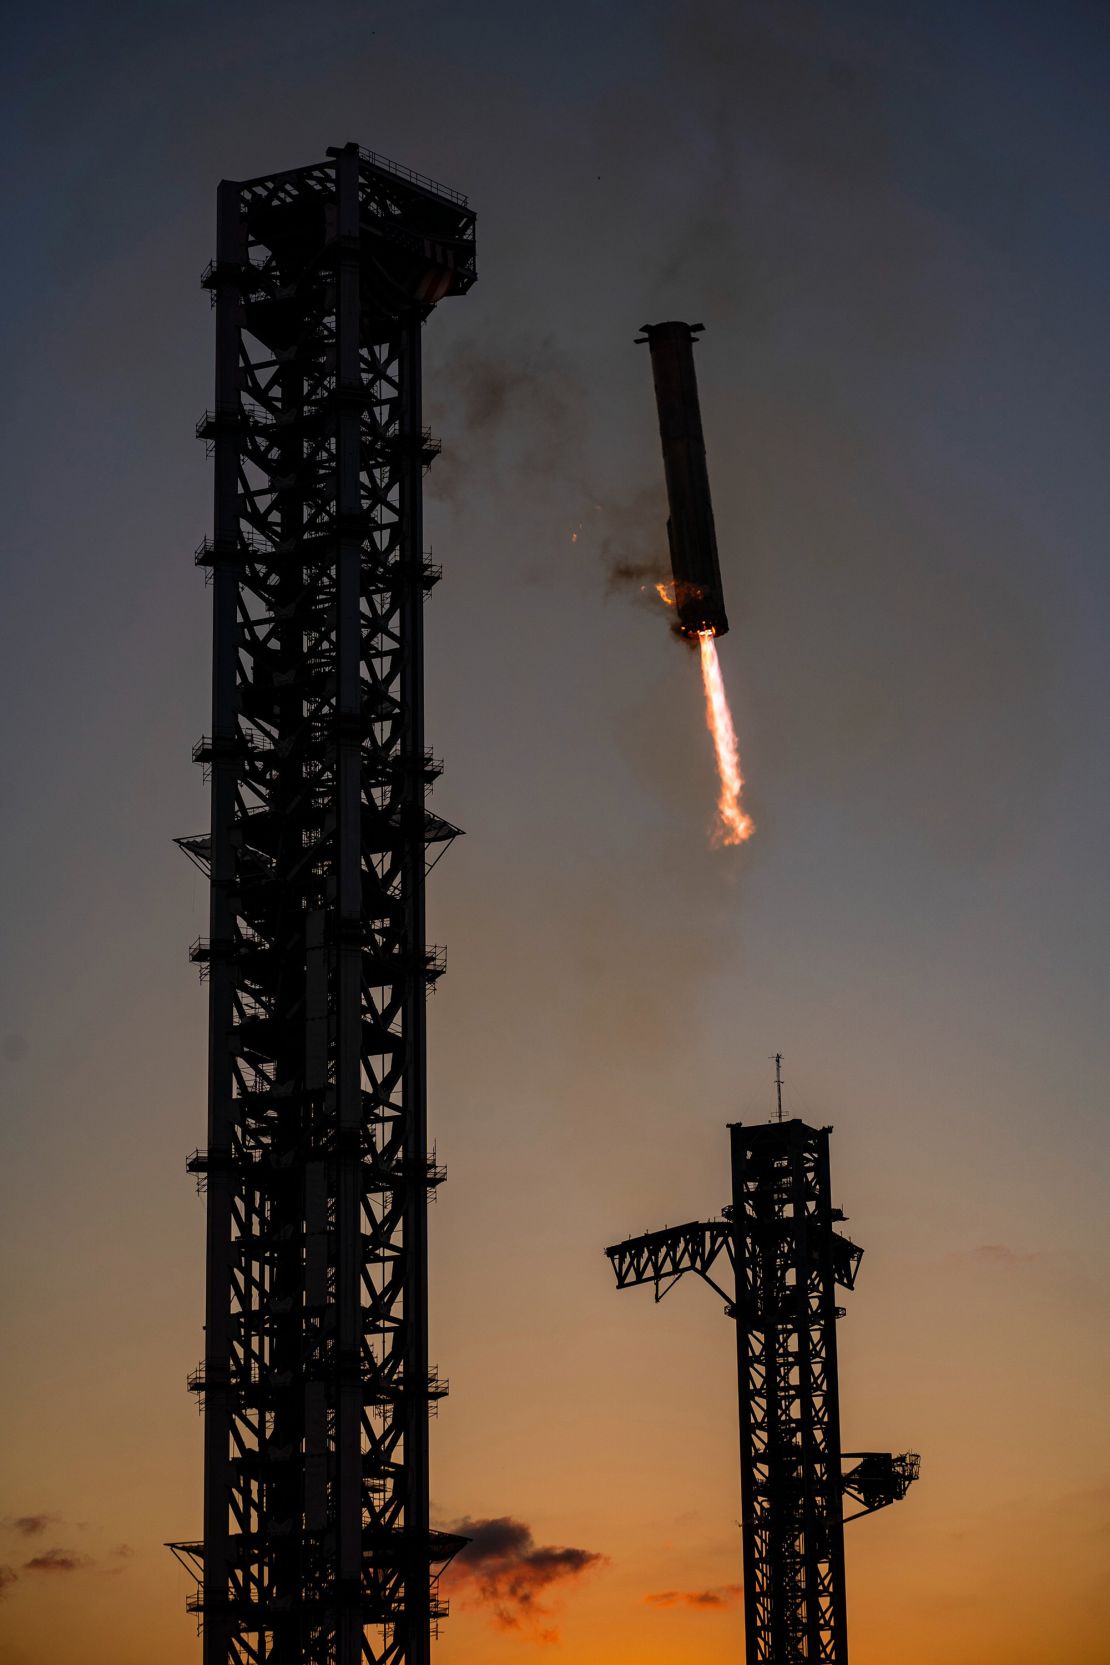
(661, 1257)
(878, 1478)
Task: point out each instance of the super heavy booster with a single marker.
(699, 602)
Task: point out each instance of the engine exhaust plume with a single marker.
(733, 824)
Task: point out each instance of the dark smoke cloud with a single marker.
(720, 1597)
(8, 1577)
(895, 654)
(894, 648)
(779, 183)
(630, 536)
(516, 414)
(514, 405)
(56, 1561)
(623, 572)
(32, 1526)
(504, 1570)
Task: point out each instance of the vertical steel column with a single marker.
(747, 1366)
(834, 1584)
(414, 1074)
(806, 1344)
(230, 253)
(348, 914)
(286, 1495)
(786, 1312)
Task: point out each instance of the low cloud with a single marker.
(56, 1561)
(503, 1570)
(1000, 1254)
(995, 1254)
(32, 1526)
(119, 1556)
(713, 1600)
(8, 1577)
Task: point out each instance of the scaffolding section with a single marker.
(316, 1384)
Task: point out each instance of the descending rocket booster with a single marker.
(699, 602)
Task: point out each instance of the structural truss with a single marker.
(316, 1383)
(784, 1259)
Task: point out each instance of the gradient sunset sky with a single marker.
(892, 220)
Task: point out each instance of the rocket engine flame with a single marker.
(733, 824)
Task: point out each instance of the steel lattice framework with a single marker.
(316, 1383)
(787, 1260)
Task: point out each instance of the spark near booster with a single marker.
(699, 603)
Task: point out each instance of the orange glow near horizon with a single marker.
(733, 824)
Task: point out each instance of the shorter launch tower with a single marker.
(787, 1260)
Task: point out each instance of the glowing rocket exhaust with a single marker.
(733, 824)
(695, 592)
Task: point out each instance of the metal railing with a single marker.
(412, 176)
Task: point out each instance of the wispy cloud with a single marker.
(994, 1254)
(504, 1570)
(56, 1561)
(31, 1526)
(718, 1597)
(118, 1557)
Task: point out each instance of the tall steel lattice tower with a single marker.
(787, 1260)
(316, 1383)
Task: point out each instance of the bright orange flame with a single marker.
(733, 825)
(665, 593)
